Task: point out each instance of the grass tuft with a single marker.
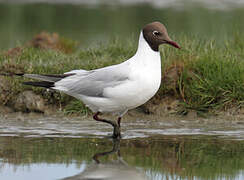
(76, 107)
(203, 75)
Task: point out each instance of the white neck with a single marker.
(144, 51)
(144, 48)
(145, 67)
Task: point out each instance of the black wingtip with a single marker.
(11, 74)
(44, 84)
(19, 74)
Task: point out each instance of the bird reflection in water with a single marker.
(113, 170)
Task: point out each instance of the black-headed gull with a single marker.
(117, 88)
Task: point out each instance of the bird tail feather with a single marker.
(44, 84)
(46, 81)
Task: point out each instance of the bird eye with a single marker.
(156, 33)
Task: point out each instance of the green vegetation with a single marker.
(210, 75)
(202, 76)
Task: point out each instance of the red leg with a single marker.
(95, 116)
(116, 125)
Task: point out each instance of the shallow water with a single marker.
(39, 147)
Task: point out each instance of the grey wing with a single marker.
(92, 83)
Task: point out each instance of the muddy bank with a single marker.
(15, 97)
(195, 82)
(49, 103)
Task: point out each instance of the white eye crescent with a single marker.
(156, 33)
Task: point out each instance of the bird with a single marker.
(116, 88)
(113, 169)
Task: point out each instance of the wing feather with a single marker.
(48, 77)
(93, 83)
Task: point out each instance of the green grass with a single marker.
(209, 75)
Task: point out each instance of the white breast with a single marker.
(144, 78)
(146, 72)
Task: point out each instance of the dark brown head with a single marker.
(156, 34)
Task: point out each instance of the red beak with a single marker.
(172, 43)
